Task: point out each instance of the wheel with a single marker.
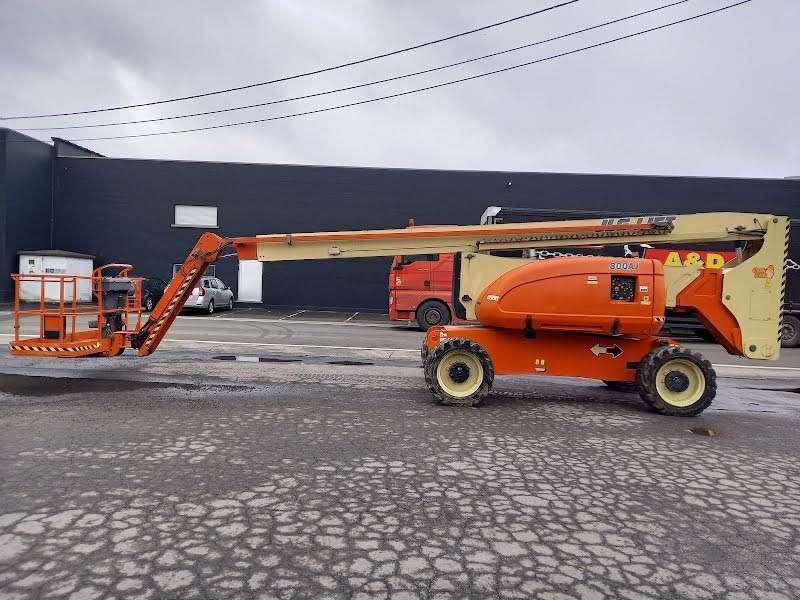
(431, 313)
(230, 303)
(149, 304)
(790, 331)
(626, 387)
(459, 373)
(210, 307)
(676, 381)
(423, 351)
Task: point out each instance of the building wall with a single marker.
(121, 210)
(25, 198)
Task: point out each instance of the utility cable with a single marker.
(360, 85)
(299, 75)
(422, 89)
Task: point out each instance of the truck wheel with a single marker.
(431, 313)
(676, 381)
(459, 373)
(790, 331)
(626, 387)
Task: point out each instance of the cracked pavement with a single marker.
(182, 476)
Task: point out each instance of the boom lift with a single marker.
(588, 316)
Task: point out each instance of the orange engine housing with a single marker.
(592, 294)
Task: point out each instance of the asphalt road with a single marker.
(184, 475)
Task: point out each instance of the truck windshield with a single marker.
(410, 258)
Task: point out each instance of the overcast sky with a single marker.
(716, 96)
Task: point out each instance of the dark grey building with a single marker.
(143, 211)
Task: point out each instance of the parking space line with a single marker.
(351, 317)
(299, 312)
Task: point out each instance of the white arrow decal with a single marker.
(614, 350)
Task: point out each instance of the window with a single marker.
(195, 216)
(410, 258)
(214, 284)
(210, 270)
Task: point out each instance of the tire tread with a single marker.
(653, 361)
(433, 358)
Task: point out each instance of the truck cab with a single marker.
(420, 289)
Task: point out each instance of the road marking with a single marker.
(757, 367)
(351, 316)
(268, 345)
(272, 345)
(387, 324)
(299, 312)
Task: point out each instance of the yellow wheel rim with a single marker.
(454, 367)
(680, 383)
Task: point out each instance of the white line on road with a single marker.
(351, 317)
(757, 367)
(412, 350)
(299, 312)
(265, 344)
(387, 324)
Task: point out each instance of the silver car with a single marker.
(210, 295)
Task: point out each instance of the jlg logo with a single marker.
(764, 272)
(640, 220)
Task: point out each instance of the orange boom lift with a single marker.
(590, 316)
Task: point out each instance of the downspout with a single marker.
(53, 156)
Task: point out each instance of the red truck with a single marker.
(421, 289)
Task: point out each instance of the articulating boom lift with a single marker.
(595, 317)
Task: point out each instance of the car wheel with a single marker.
(230, 303)
(432, 313)
(210, 308)
(790, 331)
(149, 304)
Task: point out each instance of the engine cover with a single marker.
(592, 294)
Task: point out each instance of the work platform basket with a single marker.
(69, 327)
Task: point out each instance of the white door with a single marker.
(250, 281)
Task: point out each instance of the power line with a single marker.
(417, 90)
(299, 75)
(360, 85)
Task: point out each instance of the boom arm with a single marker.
(750, 302)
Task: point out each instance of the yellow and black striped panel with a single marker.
(178, 297)
(784, 273)
(50, 349)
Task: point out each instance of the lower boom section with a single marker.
(461, 363)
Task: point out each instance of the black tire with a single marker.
(230, 303)
(790, 331)
(466, 359)
(676, 381)
(149, 304)
(625, 387)
(423, 351)
(210, 307)
(432, 313)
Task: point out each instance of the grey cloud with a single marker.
(713, 97)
